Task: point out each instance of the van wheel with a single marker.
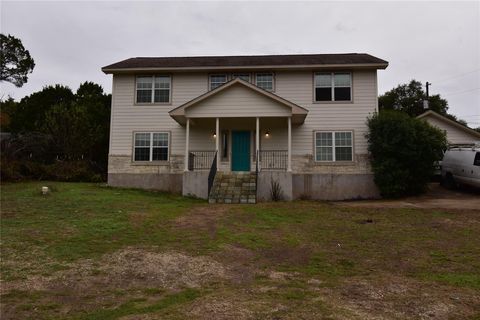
(449, 182)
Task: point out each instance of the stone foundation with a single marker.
(163, 176)
(334, 186)
(307, 164)
(309, 179)
(125, 164)
(195, 183)
(169, 182)
(264, 184)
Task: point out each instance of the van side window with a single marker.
(476, 162)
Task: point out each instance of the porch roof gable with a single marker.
(298, 113)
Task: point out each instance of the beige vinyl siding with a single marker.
(201, 138)
(237, 101)
(278, 134)
(128, 117)
(296, 86)
(454, 134)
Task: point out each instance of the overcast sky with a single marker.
(437, 42)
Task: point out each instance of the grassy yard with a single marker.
(86, 251)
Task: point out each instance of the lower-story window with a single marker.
(333, 146)
(151, 146)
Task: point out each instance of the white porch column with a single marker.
(289, 164)
(187, 143)
(257, 140)
(217, 140)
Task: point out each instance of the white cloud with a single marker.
(428, 41)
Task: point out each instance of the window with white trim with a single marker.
(243, 76)
(334, 86)
(216, 80)
(153, 89)
(264, 81)
(333, 146)
(151, 146)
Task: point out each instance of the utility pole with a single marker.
(425, 101)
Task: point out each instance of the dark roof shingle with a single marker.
(246, 61)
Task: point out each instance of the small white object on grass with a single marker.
(45, 190)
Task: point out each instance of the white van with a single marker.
(461, 166)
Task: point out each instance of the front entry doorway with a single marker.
(240, 150)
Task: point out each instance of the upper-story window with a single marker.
(216, 80)
(243, 76)
(153, 89)
(264, 81)
(334, 86)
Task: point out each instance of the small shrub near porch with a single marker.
(403, 150)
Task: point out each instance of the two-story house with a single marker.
(235, 128)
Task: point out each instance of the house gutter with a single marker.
(107, 70)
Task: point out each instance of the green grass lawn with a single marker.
(86, 251)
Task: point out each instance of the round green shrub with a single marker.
(403, 150)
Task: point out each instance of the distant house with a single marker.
(456, 132)
(225, 127)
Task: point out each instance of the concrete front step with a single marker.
(234, 187)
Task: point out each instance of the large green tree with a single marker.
(76, 124)
(97, 104)
(15, 61)
(409, 98)
(403, 150)
(81, 127)
(29, 114)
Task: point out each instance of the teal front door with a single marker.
(240, 151)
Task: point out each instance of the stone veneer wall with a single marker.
(124, 164)
(122, 172)
(308, 179)
(300, 164)
(332, 181)
(306, 164)
(321, 186)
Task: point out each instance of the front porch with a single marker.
(238, 144)
(236, 128)
(236, 151)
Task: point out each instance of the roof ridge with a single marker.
(252, 55)
(245, 61)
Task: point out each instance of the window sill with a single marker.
(333, 102)
(150, 163)
(334, 163)
(152, 104)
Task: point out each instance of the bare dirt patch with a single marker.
(135, 269)
(232, 306)
(437, 197)
(279, 254)
(137, 218)
(241, 262)
(218, 308)
(129, 268)
(202, 218)
(391, 297)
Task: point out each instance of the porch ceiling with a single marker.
(220, 102)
